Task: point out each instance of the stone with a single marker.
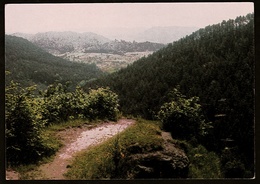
(170, 162)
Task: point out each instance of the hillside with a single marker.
(217, 65)
(30, 65)
(108, 55)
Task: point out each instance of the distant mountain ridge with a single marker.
(165, 34)
(61, 42)
(159, 34)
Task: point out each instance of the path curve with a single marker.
(77, 140)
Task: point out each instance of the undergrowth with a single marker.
(203, 164)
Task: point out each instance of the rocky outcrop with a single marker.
(170, 162)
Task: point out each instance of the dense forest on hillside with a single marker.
(122, 46)
(29, 65)
(215, 64)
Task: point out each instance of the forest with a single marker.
(215, 64)
(200, 88)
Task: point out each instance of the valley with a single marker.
(108, 54)
(107, 62)
(90, 48)
(181, 105)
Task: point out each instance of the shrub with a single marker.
(103, 104)
(59, 104)
(183, 117)
(23, 125)
(26, 115)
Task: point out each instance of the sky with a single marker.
(34, 18)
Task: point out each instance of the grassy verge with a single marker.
(105, 160)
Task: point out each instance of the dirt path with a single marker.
(78, 139)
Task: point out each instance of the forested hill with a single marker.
(216, 64)
(29, 64)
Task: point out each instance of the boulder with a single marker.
(170, 162)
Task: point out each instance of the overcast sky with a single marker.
(33, 18)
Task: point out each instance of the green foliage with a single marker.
(57, 103)
(216, 64)
(232, 165)
(61, 105)
(23, 126)
(107, 160)
(144, 136)
(26, 115)
(183, 117)
(103, 103)
(203, 164)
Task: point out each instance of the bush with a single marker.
(183, 117)
(57, 103)
(61, 105)
(23, 126)
(26, 115)
(103, 104)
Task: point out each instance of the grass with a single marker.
(105, 160)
